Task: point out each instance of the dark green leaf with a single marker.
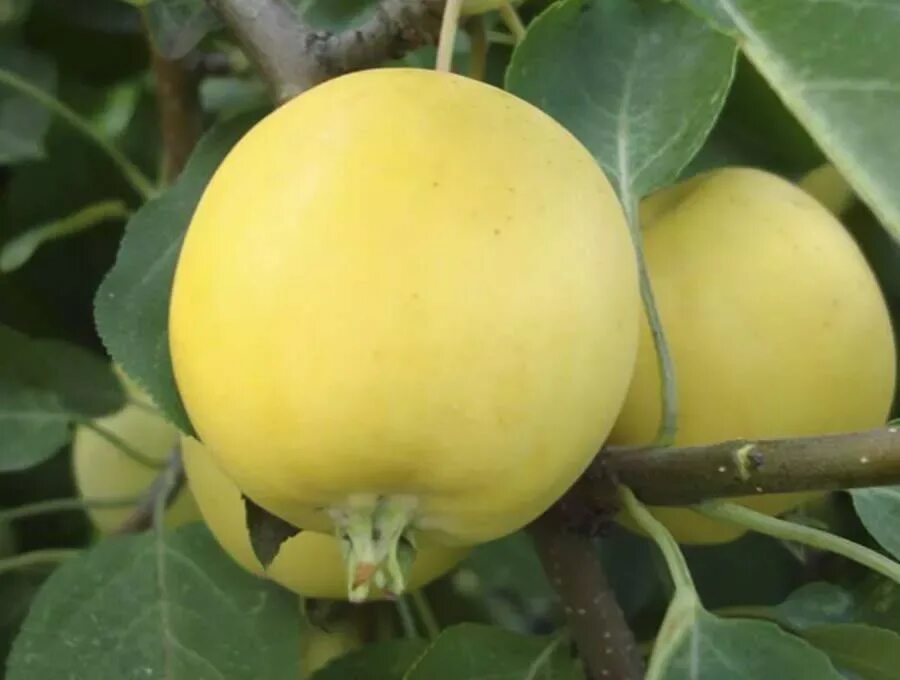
(816, 604)
(44, 386)
(756, 129)
(471, 650)
(158, 606)
(872, 653)
(639, 83)
(33, 426)
(334, 16)
(12, 12)
(878, 602)
(267, 532)
(23, 122)
(836, 65)
(879, 510)
(505, 579)
(82, 384)
(751, 650)
(381, 661)
(132, 304)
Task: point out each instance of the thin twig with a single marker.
(48, 557)
(64, 505)
(799, 533)
(166, 487)
(292, 56)
(668, 421)
(512, 20)
(479, 46)
(178, 101)
(139, 182)
(123, 446)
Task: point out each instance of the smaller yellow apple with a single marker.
(103, 471)
(320, 646)
(827, 185)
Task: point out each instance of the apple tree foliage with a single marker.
(89, 235)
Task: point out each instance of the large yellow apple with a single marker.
(406, 303)
(776, 325)
(310, 563)
(103, 471)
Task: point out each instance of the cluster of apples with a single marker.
(406, 317)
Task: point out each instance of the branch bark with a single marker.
(165, 488)
(688, 475)
(562, 537)
(180, 121)
(292, 56)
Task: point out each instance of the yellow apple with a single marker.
(406, 304)
(776, 325)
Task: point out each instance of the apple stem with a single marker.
(379, 548)
(447, 39)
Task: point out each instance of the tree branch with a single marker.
(180, 121)
(563, 540)
(689, 475)
(292, 57)
(165, 487)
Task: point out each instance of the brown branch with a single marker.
(563, 541)
(688, 475)
(292, 57)
(179, 113)
(178, 101)
(165, 488)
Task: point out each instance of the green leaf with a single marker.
(33, 428)
(158, 606)
(13, 12)
(750, 650)
(836, 66)
(756, 129)
(267, 532)
(471, 650)
(505, 580)
(878, 602)
(640, 84)
(872, 653)
(177, 26)
(24, 122)
(381, 661)
(879, 510)
(44, 386)
(816, 604)
(329, 15)
(81, 383)
(132, 305)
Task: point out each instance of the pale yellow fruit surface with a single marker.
(412, 286)
(481, 6)
(310, 563)
(103, 471)
(827, 185)
(776, 325)
(319, 647)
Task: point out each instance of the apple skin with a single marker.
(775, 322)
(103, 471)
